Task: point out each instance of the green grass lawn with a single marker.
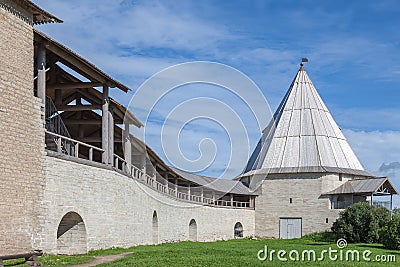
(241, 252)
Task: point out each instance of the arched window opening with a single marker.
(71, 235)
(155, 228)
(192, 230)
(238, 230)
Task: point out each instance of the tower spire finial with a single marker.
(302, 61)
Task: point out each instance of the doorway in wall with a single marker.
(290, 228)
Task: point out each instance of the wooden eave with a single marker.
(76, 62)
(39, 16)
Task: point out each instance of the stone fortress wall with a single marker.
(21, 135)
(118, 211)
(296, 196)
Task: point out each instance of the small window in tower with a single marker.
(340, 177)
(291, 200)
(327, 220)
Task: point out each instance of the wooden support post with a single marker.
(77, 150)
(213, 197)
(144, 166)
(78, 100)
(59, 145)
(231, 195)
(104, 125)
(391, 206)
(202, 195)
(154, 178)
(41, 78)
(176, 187)
(188, 192)
(166, 182)
(110, 136)
(91, 153)
(58, 97)
(57, 93)
(144, 173)
(127, 148)
(252, 202)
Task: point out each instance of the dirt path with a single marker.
(102, 259)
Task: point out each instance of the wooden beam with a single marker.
(111, 136)
(118, 113)
(68, 98)
(87, 122)
(77, 85)
(127, 147)
(78, 107)
(89, 97)
(75, 63)
(104, 124)
(41, 67)
(82, 121)
(98, 139)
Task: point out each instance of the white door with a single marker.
(289, 228)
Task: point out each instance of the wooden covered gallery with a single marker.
(84, 123)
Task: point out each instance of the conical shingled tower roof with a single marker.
(303, 137)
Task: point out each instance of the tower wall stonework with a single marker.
(305, 190)
(21, 135)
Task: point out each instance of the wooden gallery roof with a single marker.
(57, 52)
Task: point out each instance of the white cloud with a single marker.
(374, 148)
(134, 25)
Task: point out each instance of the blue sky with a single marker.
(353, 48)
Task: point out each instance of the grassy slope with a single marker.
(222, 253)
(235, 253)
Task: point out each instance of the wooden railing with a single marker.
(77, 145)
(86, 151)
(165, 189)
(383, 204)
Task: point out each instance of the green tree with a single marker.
(361, 222)
(390, 234)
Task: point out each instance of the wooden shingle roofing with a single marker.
(39, 16)
(364, 186)
(303, 136)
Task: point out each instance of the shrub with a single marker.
(361, 222)
(390, 234)
(396, 211)
(321, 237)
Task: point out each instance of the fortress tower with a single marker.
(21, 128)
(301, 160)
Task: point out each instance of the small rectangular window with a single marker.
(291, 200)
(340, 177)
(327, 220)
